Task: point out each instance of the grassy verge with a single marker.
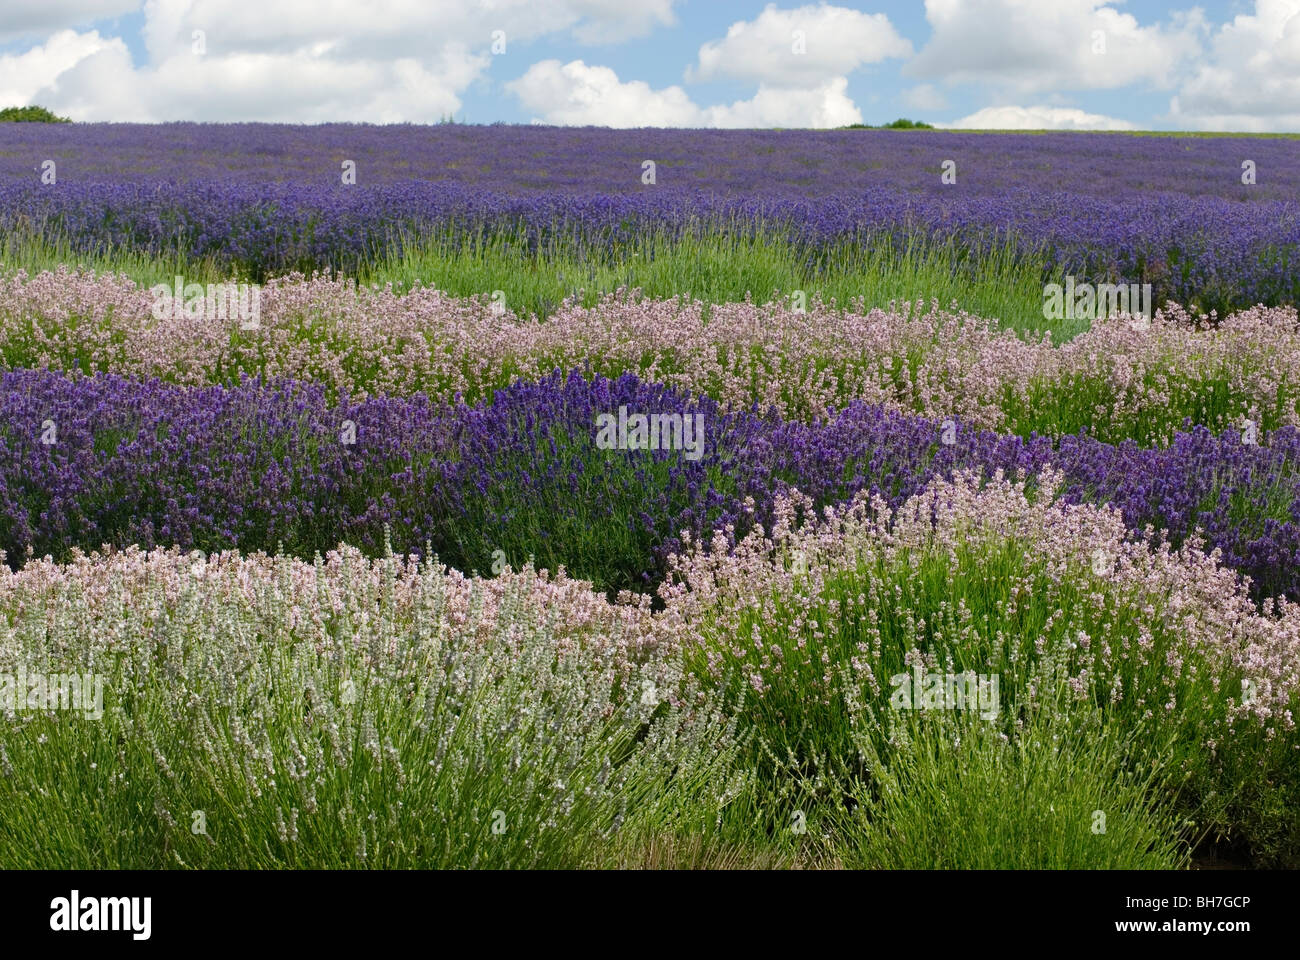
(718, 268)
(710, 266)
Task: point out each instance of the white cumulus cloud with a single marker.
(295, 60)
(1037, 118)
(235, 87)
(802, 47)
(1031, 46)
(576, 94)
(613, 21)
(377, 28)
(1250, 81)
(823, 106)
(23, 75)
(41, 17)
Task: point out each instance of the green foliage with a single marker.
(953, 793)
(900, 124)
(32, 114)
(724, 266)
(713, 266)
(453, 748)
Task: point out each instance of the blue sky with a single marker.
(1218, 65)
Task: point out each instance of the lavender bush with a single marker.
(86, 461)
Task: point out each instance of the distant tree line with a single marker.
(901, 124)
(30, 115)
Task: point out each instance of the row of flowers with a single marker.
(1126, 378)
(308, 693)
(557, 470)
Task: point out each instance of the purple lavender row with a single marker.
(1247, 256)
(1172, 212)
(574, 160)
(560, 470)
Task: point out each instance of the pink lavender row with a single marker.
(1122, 379)
(1198, 623)
(1167, 635)
(555, 470)
(1183, 596)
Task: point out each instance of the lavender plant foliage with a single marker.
(106, 460)
(1165, 210)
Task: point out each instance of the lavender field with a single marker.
(446, 496)
(262, 199)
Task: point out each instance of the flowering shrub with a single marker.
(264, 712)
(1062, 794)
(821, 620)
(393, 712)
(1117, 380)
